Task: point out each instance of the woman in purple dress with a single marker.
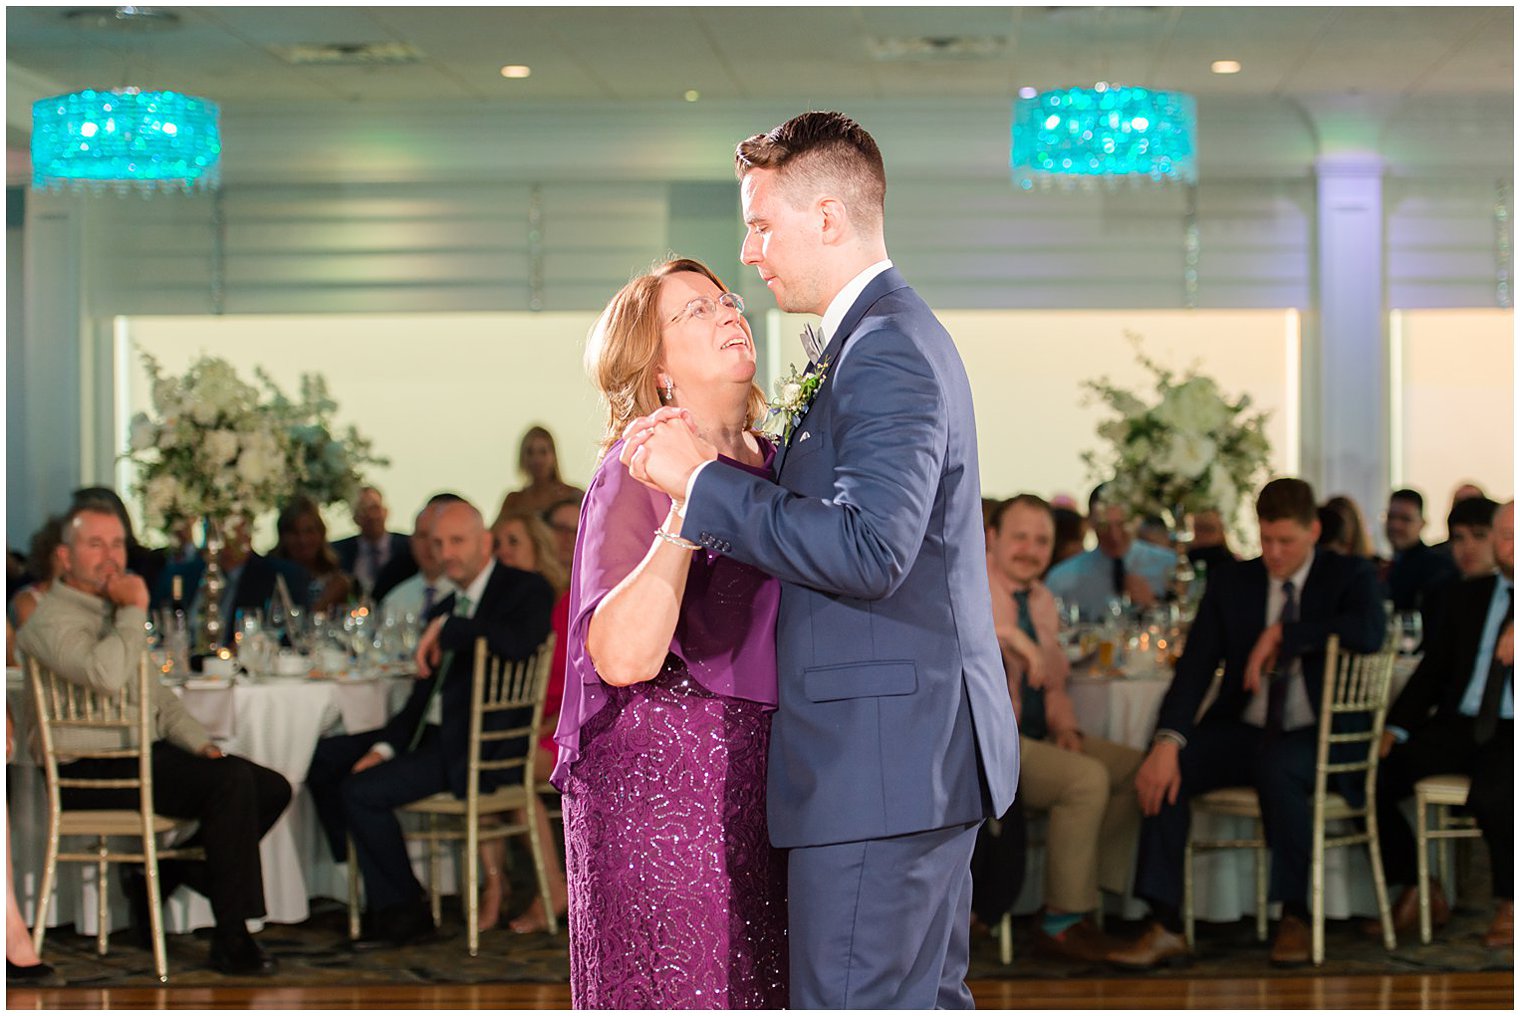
(677, 899)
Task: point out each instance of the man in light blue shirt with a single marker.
(1119, 566)
(1456, 715)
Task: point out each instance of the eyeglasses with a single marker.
(705, 307)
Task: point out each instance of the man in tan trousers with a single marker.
(1085, 784)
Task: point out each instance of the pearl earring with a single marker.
(669, 390)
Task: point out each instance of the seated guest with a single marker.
(1210, 544)
(358, 780)
(1119, 566)
(1457, 715)
(1470, 547)
(427, 588)
(538, 463)
(1085, 783)
(1357, 539)
(1465, 490)
(22, 965)
(1266, 622)
(1333, 533)
(303, 541)
(564, 519)
(524, 541)
(1153, 530)
(1071, 534)
(400, 569)
(89, 629)
(42, 563)
(365, 556)
(140, 560)
(1415, 569)
(251, 578)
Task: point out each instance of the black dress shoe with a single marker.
(240, 956)
(397, 926)
(38, 975)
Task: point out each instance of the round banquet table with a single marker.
(273, 721)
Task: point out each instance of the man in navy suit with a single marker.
(1266, 621)
(366, 555)
(894, 736)
(357, 781)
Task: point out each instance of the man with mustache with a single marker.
(1085, 784)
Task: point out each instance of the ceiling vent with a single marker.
(349, 54)
(937, 48)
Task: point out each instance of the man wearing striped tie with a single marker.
(357, 781)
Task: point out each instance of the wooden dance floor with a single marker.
(1489, 990)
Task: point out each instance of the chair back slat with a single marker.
(1355, 684)
(502, 686)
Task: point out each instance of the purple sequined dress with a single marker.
(677, 899)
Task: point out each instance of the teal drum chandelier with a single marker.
(1104, 136)
(125, 140)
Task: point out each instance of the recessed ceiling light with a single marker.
(1225, 66)
(692, 95)
(516, 71)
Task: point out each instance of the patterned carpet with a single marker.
(316, 953)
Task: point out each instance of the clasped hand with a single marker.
(662, 450)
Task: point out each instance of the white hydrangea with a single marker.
(1188, 454)
(142, 433)
(219, 448)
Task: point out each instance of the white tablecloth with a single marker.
(1124, 710)
(275, 722)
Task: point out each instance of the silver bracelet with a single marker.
(679, 541)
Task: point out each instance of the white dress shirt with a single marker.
(1297, 712)
(409, 596)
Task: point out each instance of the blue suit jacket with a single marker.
(894, 714)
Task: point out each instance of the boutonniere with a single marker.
(794, 393)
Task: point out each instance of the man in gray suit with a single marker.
(894, 735)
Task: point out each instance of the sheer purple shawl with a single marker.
(726, 633)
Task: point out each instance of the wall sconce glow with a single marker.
(1111, 134)
(1225, 66)
(692, 95)
(516, 71)
(125, 140)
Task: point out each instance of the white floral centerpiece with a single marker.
(1191, 449)
(325, 464)
(213, 452)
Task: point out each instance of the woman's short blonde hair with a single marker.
(624, 345)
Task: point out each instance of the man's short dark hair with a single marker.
(1096, 498)
(1287, 497)
(1472, 511)
(822, 151)
(1411, 496)
(443, 497)
(1035, 501)
(1332, 526)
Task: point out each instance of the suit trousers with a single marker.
(1094, 817)
(1229, 753)
(363, 805)
(234, 800)
(882, 924)
(1446, 745)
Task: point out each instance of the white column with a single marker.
(1346, 357)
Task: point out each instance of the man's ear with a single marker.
(834, 220)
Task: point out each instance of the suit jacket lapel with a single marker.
(884, 283)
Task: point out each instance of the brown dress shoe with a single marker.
(1156, 947)
(1291, 946)
(1083, 942)
(1406, 911)
(1501, 933)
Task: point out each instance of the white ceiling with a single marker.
(800, 54)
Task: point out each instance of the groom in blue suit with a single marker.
(894, 736)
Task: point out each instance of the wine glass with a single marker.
(1411, 631)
